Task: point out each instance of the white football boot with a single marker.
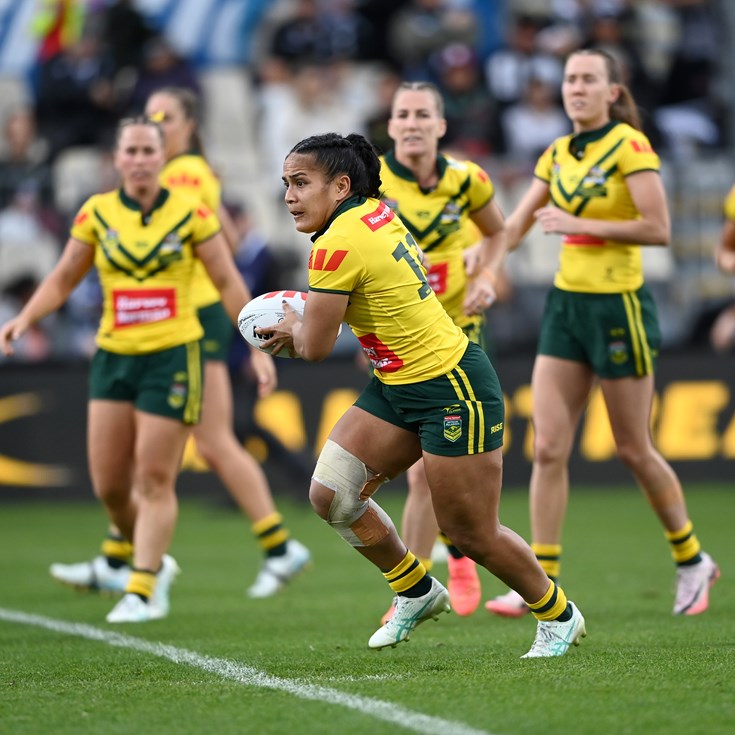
(277, 571)
(96, 575)
(132, 609)
(693, 583)
(410, 612)
(553, 637)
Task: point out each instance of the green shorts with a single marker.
(459, 413)
(218, 331)
(617, 335)
(166, 383)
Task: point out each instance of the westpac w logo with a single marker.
(318, 260)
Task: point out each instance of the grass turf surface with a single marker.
(640, 670)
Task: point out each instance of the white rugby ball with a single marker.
(264, 311)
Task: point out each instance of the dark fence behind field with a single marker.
(43, 424)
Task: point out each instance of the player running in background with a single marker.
(439, 199)
(188, 173)
(146, 375)
(600, 189)
(433, 394)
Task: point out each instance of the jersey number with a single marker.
(403, 253)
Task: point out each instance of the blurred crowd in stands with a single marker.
(321, 65)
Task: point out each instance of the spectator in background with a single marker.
(423, 27)
(253, 254)
(688, 114)
(472, 122)
(28, 252)
(162, 66)
(508, 70)
(320, 32)
(376, 125)
(609, 29)
(57, 24)
(125, 32)
(530, 124)
(75, 103)
(308, 103)
(23, 159)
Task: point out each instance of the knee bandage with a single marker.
(353, 514)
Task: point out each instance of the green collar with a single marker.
(578, 142)
(349, 203)
(403, 172)
(131, 203)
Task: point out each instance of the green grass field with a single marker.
(299, 663)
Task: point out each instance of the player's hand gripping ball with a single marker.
(265, 311)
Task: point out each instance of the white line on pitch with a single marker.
(228, 669)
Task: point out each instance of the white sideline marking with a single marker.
(228, 669)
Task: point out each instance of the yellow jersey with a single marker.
(439, 220)
(191, 176)
(730, 205)
(145, 265)
(586, 177)
(365, 251)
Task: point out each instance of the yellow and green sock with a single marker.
(271, 534)
(409, 577)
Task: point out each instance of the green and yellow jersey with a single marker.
(586, 176)
(730, 205)
(145, 264)
(439, 220)
(366, 252)
(191, 176)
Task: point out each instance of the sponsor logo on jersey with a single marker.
(483, 176)
(381, 216)
(133, 307)
(380, 355)
(640, 146)
(582, 241)
(452, 427)
(437, 278)
(81, 218)
(318, 260)
(203, 212)
(183, 179)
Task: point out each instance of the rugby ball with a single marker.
(265, 311)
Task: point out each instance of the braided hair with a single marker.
(352, 155)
